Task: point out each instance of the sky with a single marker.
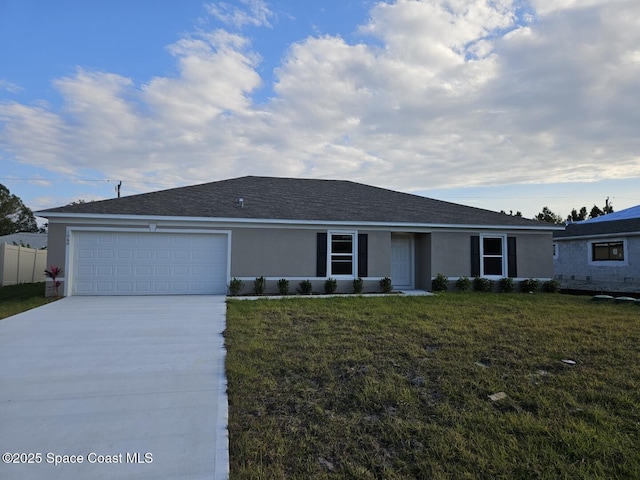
(499, 104)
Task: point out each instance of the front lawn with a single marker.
(15, 299)
(398, 387)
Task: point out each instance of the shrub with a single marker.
(305, 287)
(235, 286)
(386, 285)
(258, 285)
(53, 273)
(529, 286)
(463, 284)
(481, 284)
(358, 284)
(440, 283)
(551, 286)
(283, 286)
(506, 285)
(330, 285)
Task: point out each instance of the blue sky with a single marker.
(505, 105)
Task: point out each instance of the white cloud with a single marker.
(9, 87)
(436, 94)
(255, 13)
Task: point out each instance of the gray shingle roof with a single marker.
(296, 199)
(588, 229)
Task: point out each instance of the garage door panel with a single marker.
(124, 288)
(149, 263)
(199, 271)
(180, 270)
(141, 271)
(85, 270)
(104, 287)
(83, 288)
(143, 287)
(162, 254)
(84, 253)
(106, 238)
(180, 255)
(104, 271)
(160, 270)
(144, 254)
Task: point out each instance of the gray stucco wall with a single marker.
(572, 262)
(273, 253)
(292, 252)
(535, 255)
(451, 254)
(56, 245)
(379, 252)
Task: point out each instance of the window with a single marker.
(492, 256)
(607, 251)
(341, 254)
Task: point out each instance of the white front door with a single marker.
(401, 260)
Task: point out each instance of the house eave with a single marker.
(598, 235)
(273, 221)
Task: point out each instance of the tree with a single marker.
(595, 212)
(548, 216)
(575, 216)
(15, 216)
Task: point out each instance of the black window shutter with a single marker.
(475, 256)
(363, 254)
(321, 257)
(512, 264)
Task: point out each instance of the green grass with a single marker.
(390, 388)
(15, 299)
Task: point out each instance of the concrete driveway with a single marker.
(131, 387)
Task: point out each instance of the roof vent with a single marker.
(241, 202)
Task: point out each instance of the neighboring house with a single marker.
(603, 250)
(26, 239)
(194, 240)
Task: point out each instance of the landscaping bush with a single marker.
(551, 286)
(463, 284)
(235, 286)
(481, 284)
(283, 286)
(386, 285)
(529, 286)
(330, 285)
(506, 285)
(440, 283)
(258, 285)
(305, 287)
(357, 285)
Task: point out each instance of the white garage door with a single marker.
(121, 263)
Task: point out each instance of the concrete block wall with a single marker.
(572, 263)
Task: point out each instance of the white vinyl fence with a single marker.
(21, 264)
